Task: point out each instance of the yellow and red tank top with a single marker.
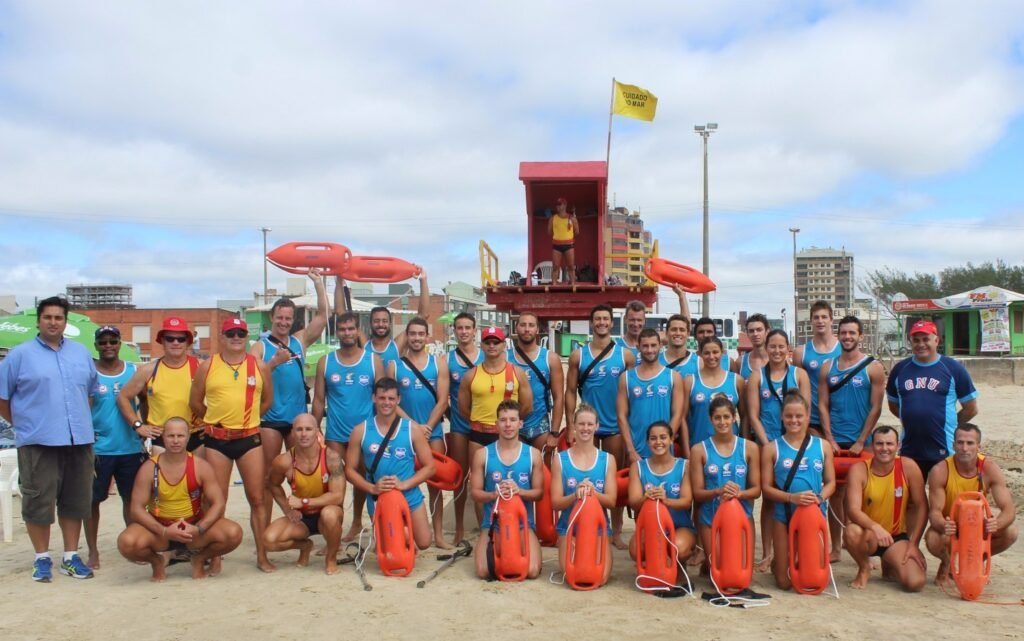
(885, 498)
(488, 390)
(172, 501)
(956, 483)
(561, 230)
(312, 485)
(168, 391)
(233, 393)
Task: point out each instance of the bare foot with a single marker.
(441, 544)
(215, 565)
(861, 580)
(322, 550)
(697, 558)
(835, 556)
(764, 565)
(94, 560)
(618, 542)
(265, 565)
(353, 533)
(459, 535)
(330, 566)
(159, 569)
(199, 568)
(304, 551)
(942, 574)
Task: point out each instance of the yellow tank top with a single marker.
(310, 486)
(168, 391)
(233, 393)
(955, 483)
(561, 230)
(488, 391)
(880, 499)
(170, 502)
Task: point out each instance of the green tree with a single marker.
(885, 283)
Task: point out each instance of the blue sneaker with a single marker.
(42, 570)
(76, 569)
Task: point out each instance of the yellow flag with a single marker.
(634, 102)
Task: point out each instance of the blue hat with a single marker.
(108, 329)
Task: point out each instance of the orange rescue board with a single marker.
(586, 545)
(732, 548)
(970, 549)
(511, 540)
(656, 567)
(298, 257)
(379, 269)
(809, 566)
(448, 473)
(392, 525)
(669, 273)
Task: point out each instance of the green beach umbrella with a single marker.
(314, 353)
(447, 318)
(21, 327)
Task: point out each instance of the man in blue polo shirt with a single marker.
(44, 393)
(923, 392)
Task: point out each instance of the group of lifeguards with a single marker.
(693, 432)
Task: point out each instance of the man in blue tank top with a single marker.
(757, 332)
(118, 449)
(677, 355)
(813, 355)
(648, 393)
(463, 358)
(543, 369)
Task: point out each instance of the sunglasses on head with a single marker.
(236, 333)
(112, 341)
(174, 338)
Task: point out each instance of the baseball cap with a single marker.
(561, 201)
(493, 332)
(924, 327)
(108, 329)
(233, 323)
(174, 324)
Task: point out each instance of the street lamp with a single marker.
(796, 308)
(265, 231)
(705, 131)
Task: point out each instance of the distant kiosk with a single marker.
(584, 185)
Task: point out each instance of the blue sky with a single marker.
(148, 145)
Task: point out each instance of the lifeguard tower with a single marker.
(584, 185)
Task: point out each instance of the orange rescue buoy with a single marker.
(622, 487)
(844, 460)
(511, 540)
(448, 473)
(586, 543)
(563, 440)
(732, 548)
(392, 527)
(298, 257)
(379, 269)
(667, 272)
(655, 547)
(544, 516)
(970, 549)
(809, 566)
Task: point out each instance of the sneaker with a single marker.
(42, 569)
(76, 569)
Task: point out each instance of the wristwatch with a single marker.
(137, 424)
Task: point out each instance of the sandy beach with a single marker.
(121, 602)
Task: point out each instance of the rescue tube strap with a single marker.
(540, 377)
(585, 373)
(853, 372)
(372, 470)
(898, 491)
(419, 375)
(771, 388)
(792, 472)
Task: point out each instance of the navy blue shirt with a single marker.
(48, 390)
(927, 394)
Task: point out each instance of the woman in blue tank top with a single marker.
(811, 477)
(765, 393)
(583, 472)
(663, 477)
(710, 381)
(724, 467)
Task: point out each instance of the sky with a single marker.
(148, 145)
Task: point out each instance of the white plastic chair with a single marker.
(8, 486)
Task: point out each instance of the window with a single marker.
(1018, 321)
(140, 334)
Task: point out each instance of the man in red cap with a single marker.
(923, 391)
(485, 386)
(229, 394)
(167, 383)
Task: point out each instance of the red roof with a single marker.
(580, 170)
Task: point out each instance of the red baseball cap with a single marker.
(174, 324)
(493, 332)
(924, 327)
(561, 201)
(233, 323)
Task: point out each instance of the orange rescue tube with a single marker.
(808, 550)
(448, 473)
(586, 545)
(970, 549)
(655, 547)
(669, 273)
(622, 487)
(732, 548)
(392, 527)
(563, 440)
(844, 460)
(379, 269)
(511, 540)
(298, 257)
(544, 514)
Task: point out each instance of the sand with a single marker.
(303, 603)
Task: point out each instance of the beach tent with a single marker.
(984, 321)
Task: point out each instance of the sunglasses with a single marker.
(108, 343)
(175, 339)
(236, 333)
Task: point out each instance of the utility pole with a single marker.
(705, 131)
(796, 308)
(265, 231)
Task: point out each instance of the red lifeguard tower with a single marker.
(584, 185)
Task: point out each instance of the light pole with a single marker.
(265, 231)
(705, 131)
(796, 308)
(783, 312)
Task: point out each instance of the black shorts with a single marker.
(284, 428)
(312, 523)
(844, 445)
(236, 448)
(120, 467)
(562, 248)
(482, 438)
(195, 441)
(881, 550)
(926, 465)
(55, 475)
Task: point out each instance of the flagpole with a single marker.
(608, 150)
